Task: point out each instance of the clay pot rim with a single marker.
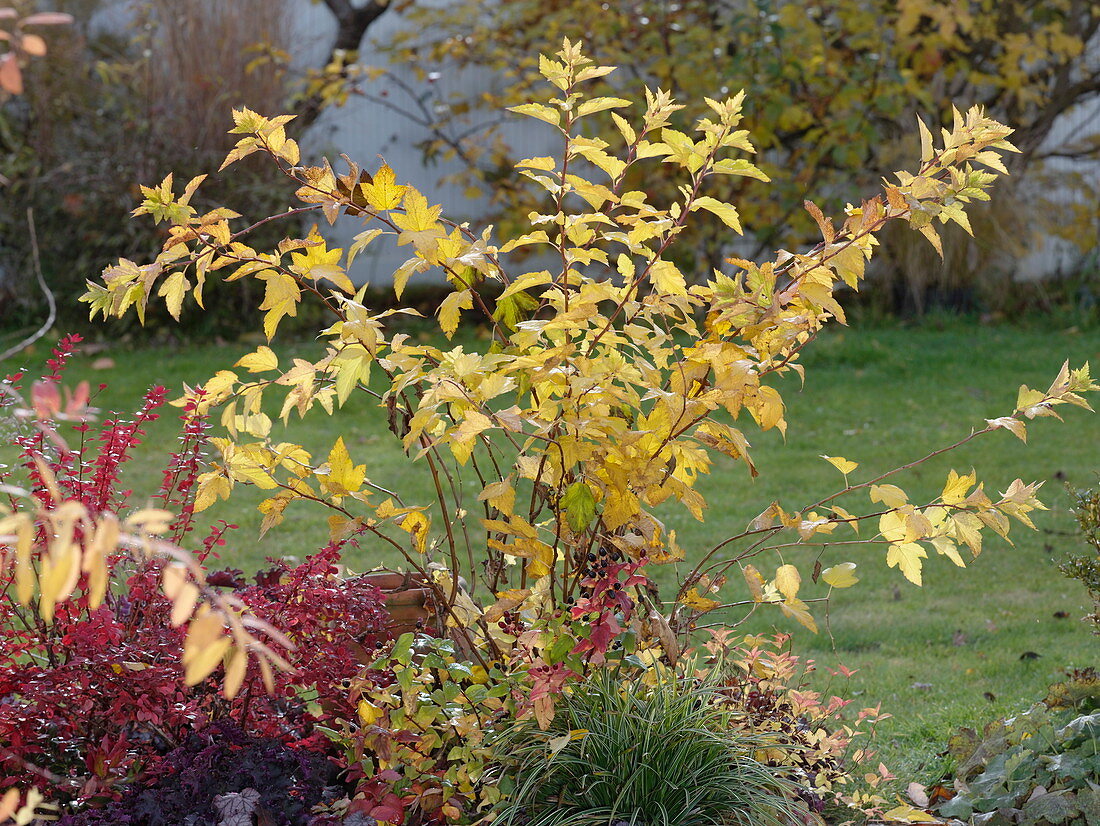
(393, 580)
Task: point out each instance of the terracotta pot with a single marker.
(408, 600)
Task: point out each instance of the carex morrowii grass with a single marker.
(621, 751)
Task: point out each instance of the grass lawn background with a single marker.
(946, 655)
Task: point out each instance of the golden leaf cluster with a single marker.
(614, 380)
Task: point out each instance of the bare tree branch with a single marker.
(51, 317)
(352, 23)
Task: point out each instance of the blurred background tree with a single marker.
(832, 88)
(832, 93)
(131, 92)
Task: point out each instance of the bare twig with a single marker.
(50, 300)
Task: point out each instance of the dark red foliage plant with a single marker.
(343, 621)
(91, 703)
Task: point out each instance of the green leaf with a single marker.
(403, 649)
(579, 505)
(513, 309)
(560, 649)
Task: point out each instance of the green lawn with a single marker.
(945, 655)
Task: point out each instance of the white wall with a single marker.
(364, 130)
(1054, 255)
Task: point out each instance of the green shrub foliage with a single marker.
(1085, 565)
(1037, 768)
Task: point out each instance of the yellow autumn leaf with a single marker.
(369, 713)
(926, 150)
(416, 525)
(624, 127)
(418, 216)
(260, 361)
(464, 613)
(478, 675)
(547, 114)
(667, 278)
(909, 814)
(351, 367)
(845, 466)
(500, 495)
(272, 509)
(967, 528)
(450, 309)
(236, 667)
(94, 564)
(840, 576)
(726, 212)
(954, 492)
(183, 603)
(797, 610)
(590, 107)
(755, 581)
(788, 580)
(946, 547)
(890, 495)
(893, 527)
(849, 518)
(25, 575)
(767, 408)
(204, 646)
(319, 263)
(343, 476)
(281, 297)
(539, 555)
(473, 423)
(907, 556)
(383, 192)
(172, 291)
(693, 599)
(212, 486)
(1013, 426)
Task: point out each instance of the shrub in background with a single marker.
(1085, 567)
(22, 42)
(831, 93)
(118, 105)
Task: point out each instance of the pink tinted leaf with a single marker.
(48, 18)
(11, 78)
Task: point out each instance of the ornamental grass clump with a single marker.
(662, 752)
